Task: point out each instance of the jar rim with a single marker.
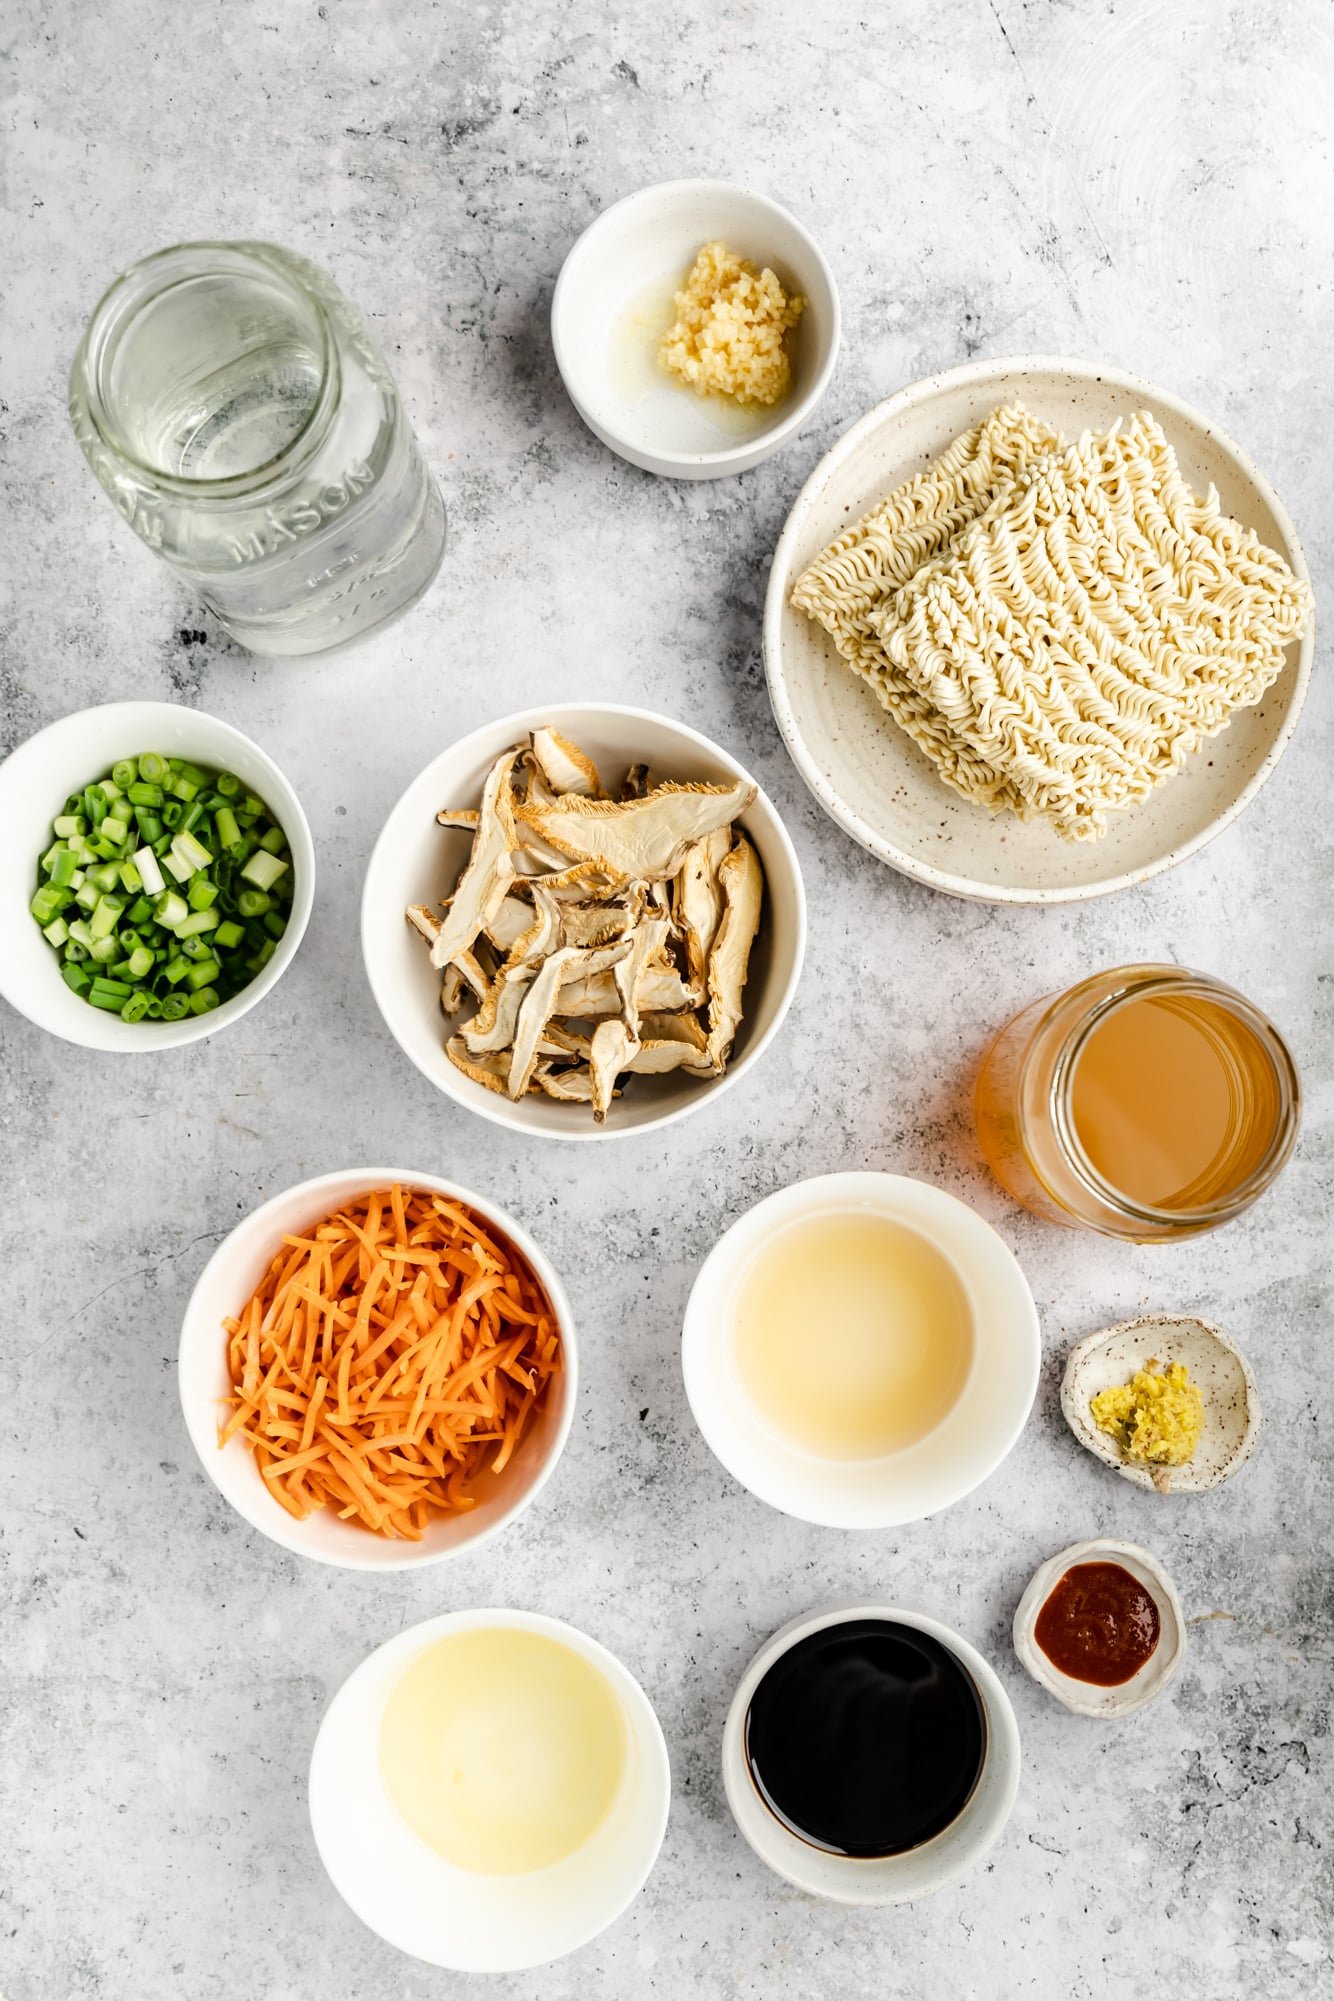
(146, 279)
(1146, 984)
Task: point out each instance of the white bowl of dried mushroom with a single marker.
(583, 921)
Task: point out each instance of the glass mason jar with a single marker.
(1185, 1113)
(233, 405)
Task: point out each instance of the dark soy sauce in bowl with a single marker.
(866, 1738)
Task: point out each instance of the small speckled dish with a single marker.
(613, 300)
(1219, 1371)
(875, 782)
(1084, 1697)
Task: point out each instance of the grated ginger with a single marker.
(731, 321)
(1156, 1418)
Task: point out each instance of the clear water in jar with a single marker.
(309, 515)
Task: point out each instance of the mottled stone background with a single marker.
(1146, 183)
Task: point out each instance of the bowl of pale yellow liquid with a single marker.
(489, 1790)
(861, 1350)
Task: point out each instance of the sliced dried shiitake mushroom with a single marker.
(595, 933)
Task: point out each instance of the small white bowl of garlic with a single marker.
(614, 303)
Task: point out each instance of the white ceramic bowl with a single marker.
(643, 246)
(449, 1916)
(224, 1286)
(35, 781)
(859, 764)
(1219, 1371)
(964, 1448)
(1087, 1698)
(415, 861)
(890, 1879)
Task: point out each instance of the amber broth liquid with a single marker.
(1174, 1101)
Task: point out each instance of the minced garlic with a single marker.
(1156, 1418)
(728, 337)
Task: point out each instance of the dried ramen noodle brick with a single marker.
(915, 526)
(1056, 627)
(1094, 627)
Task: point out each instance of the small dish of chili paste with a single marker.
(1101, 1628)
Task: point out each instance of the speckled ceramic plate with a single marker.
(1219, 1371)
(875, 782)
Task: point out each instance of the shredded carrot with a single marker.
(391, 1357)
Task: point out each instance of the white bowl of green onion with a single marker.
(156, 876)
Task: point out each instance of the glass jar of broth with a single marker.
(234, 407)
(1147, 1102)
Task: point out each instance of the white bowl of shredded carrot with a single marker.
(378, 1369)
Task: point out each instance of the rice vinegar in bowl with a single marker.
(854, 1334)
(860, 1350)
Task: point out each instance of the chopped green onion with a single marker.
(125, 938)
(191, 850)
(263, 869)
(229, 834)
(104, 918)
(147, 864)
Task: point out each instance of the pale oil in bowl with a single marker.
(503, 1750)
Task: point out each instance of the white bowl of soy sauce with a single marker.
(870, 1755)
